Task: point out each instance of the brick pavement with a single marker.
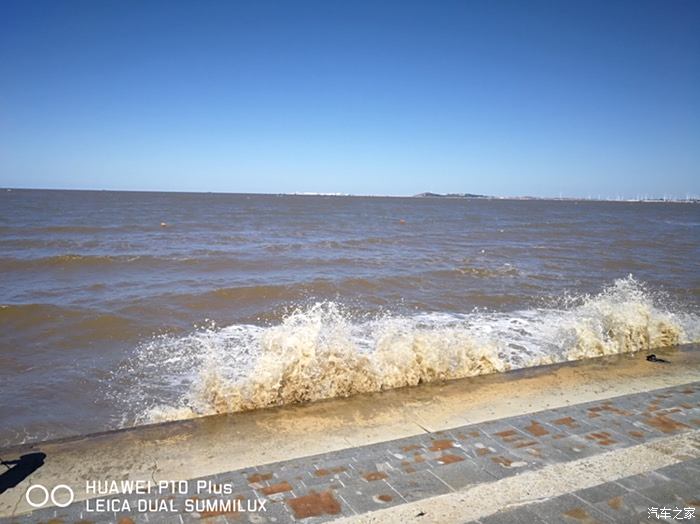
(358, 480)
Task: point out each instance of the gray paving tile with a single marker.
(602, 492)
(461, 474)
(514, 516)
(575, 447)
(642, 481)
(541, 452)
(501, 465)
(505, 433)
(483, 446)
(683, 472)
(672, 493)
(535, 425)
(325, 483)
(569, 423)
(370, 496)
(625, 507)
(419, 485)
(608, 439)
(666, 423)
(568, 508)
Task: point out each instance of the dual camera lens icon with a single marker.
(38, 496)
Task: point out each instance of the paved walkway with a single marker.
(668, 494)
(363, 480)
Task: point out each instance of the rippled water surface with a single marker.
(124, 308)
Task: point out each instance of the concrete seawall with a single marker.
(215, 445)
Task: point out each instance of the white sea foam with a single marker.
(321, 352)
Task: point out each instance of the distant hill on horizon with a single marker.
(450, 195)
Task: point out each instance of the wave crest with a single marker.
(323, 352)
(317, 354)
(622, 319)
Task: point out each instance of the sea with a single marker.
(126, 308)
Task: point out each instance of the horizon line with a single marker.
(423, 194)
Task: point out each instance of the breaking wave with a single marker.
(320, 351)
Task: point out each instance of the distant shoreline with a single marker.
(562, 198)
(463, 196)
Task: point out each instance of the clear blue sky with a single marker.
(507, 98)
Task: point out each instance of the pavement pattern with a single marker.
(359, 480)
